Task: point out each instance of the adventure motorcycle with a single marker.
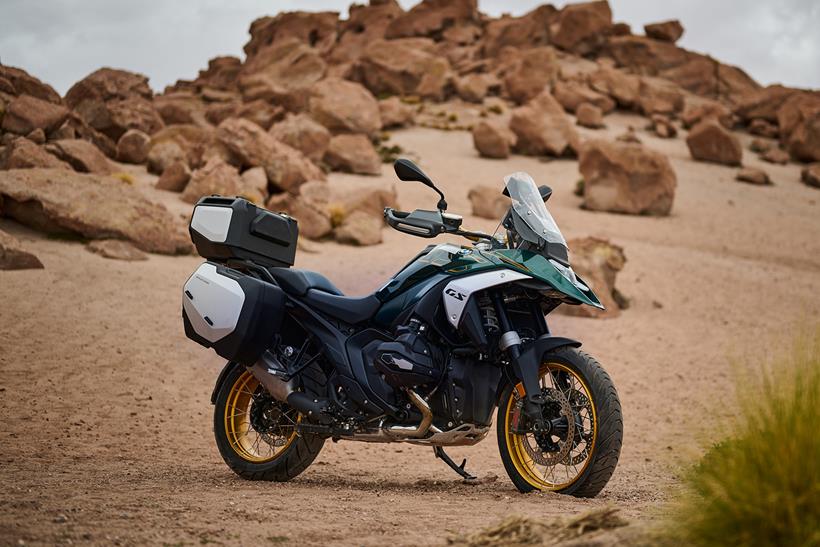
(426, 359)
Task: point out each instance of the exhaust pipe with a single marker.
(409, 431)
(268, 371)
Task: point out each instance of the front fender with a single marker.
(525, 370)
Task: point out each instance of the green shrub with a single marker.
(761, 485)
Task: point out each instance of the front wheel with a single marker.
(256, 434)
(577, 449)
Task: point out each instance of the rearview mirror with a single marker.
(406, 170)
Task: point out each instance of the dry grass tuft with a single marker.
(127, 178)
(337, 214)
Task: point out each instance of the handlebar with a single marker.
(429, 224)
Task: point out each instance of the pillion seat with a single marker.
(322, 295)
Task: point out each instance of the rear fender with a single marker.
(229, 366)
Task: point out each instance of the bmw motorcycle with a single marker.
(457, 335)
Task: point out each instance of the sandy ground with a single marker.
(107, 434)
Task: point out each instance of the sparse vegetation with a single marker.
(337, 214)
(579, 188)
(761, 484)
(127, 178)
(389, 154)
(495, 109)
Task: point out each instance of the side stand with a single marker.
(440, 453)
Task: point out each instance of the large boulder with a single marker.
(476, 86)
(174, 178)
(181, 108)
(542, 128)
(20, 82)
(133, 146)
(572, 94)
(493, 139)
(92, 206)
(529, 73)
(431, 17)
(660, 96)
(21, 153)
(250, 146)
(710, 141)
(488, 202)
(190, 144)
(666, 31)
(315, 29)
(353, 154)
(303, 133)
(395, 113)
(697, 109)
(799, 121)
(597, 262)
(27, 113)
(81, 155)
(312, 216)
(364, 24)
(14, 257)
(282, 74)
(581, 28)
(405, 66)
(626, 178)
(763, 103)
(530, 30)
(344, 107)
(114, 101)
(218, 177)
(589, 115)
(622, 87)
(359, 228)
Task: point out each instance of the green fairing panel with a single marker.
(542, 269)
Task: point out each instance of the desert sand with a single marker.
(108, 425)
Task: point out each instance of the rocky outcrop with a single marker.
(92, 206)
(14, 257)
(395, 113)
(666, 31)
(753, 175)
(218, 177)
(27, 113)
(359, 228)
(659, 96)
(572, 94)
(249, 146)
(315, 29)
(597, 262)
(344, 107)
(309, 212)
(763, 103)
(365, 24)
(493, 139)
(114, 101)
(303, 133)
(431, 18)
(799, 122)
(475, 87)
(133, 146)
(581, 28)
(116, 249)
(710, 141)
(17, 81)
(488, 202)
(698, 109)
(353, 154)
(81, 155)
(622, 87)
(406, 66)
(529, 73)
(626, 178)
(542, 128)
(21, 153)
(189, 144)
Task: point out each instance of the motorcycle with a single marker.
(458, 334)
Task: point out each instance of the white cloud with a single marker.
(63, 40)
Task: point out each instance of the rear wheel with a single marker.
(256, 434)
(578, 450)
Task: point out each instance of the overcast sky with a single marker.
(61, 41)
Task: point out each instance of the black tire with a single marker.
(607, 435)
(298, 454)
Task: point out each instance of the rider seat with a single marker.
(322, 295)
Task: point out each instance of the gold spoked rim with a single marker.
(563, 465)
(259, 428)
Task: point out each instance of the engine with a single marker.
(410, 360)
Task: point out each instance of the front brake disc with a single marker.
(542, 457)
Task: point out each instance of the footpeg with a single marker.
(440, 453)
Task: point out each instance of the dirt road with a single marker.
(107, 433)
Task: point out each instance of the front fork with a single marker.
(525, 360)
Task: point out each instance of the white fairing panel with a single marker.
(212, 303)
(458, 291)
(212, 222)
